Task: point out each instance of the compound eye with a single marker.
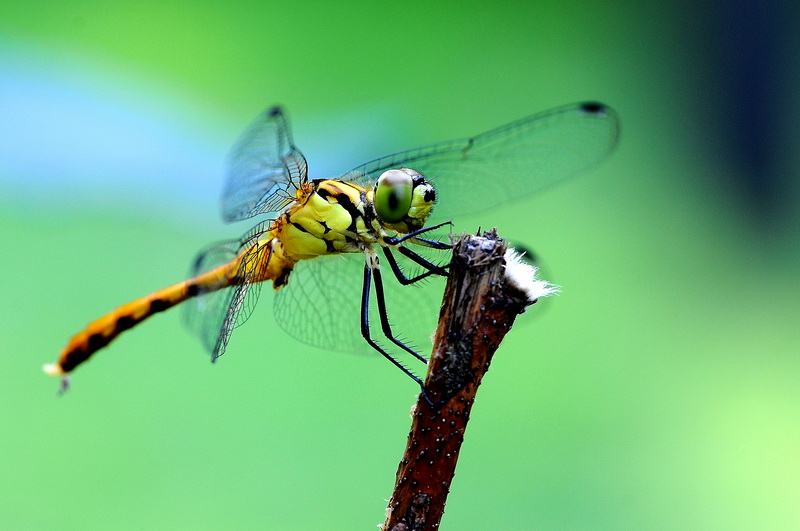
(393, 193)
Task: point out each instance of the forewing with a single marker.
(264, 169)
(212, 316)
(509, 162)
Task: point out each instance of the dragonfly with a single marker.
(318, 233)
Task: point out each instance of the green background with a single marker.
(660, 390)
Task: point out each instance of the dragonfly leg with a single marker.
(414, 234)
(424, 262)
(365, 323)
(433, 244)
(384, 316)
(431, 269)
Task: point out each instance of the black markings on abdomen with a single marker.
(98, 341)
(73, 359)
(192, 290)
(125, 322)
(158, 305)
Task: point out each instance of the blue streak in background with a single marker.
(70, 131)
(77, 135)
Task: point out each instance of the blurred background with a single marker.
(659, 390)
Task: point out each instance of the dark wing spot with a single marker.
(274, 111)
(593, 107)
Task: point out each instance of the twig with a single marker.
(480, 304)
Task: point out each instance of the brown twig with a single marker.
(479, 307)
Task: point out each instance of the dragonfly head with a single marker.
(403, 200)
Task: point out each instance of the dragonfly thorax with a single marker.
(332, 216)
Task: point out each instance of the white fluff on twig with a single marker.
(522, 275)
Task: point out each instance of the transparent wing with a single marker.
(264, 169)
(213, 315)
(321, 306)
(509, 162)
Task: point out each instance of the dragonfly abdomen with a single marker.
(102, 331)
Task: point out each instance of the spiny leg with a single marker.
(424, 262)
(365, 325)
(414, 234)
(384, 316)
(431, 269)
(433, 244)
